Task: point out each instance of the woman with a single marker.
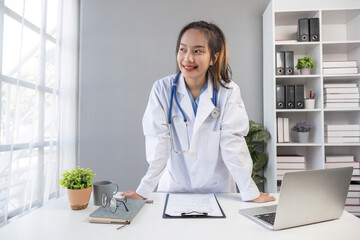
(195, 123)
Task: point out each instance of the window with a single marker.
(30, 76)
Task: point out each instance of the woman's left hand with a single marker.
(264, 197)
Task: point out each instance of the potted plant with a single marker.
(301, 131)
(79, 186)
(305, 64)
(254, 140)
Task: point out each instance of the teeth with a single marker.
(188, 67)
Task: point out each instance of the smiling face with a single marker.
(193, 56)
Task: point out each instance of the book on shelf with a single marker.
(330, 133)
(282, 165)
(340, 85)
(340, 64)
(280, 129)
(354, 187)
(348, 127)
(286, 130)
(352, 208)
(341, 105)
(350, 100)
(342, 133)
(353, 194)
(355, 178)
(339, 158)
(290, 159)
(354, 164)
(343, 139)
(281, 172)
(352, 201)
(341, 95)
(332, 71)
(342, 90)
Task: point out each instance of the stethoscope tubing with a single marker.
(173, 95)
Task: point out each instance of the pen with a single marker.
(149, 201)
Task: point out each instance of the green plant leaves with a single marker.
(254, 140)
(78, 178)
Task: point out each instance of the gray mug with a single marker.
(108, 187)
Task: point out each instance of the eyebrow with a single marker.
(197, 46)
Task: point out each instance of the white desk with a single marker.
(57, 221)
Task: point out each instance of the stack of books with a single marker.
(341, 95)
(283, 130)
(340, 67)
(349, 133)
(342, 161)
(289, 163)
(352, 204)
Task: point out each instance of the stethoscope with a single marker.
(214, 113)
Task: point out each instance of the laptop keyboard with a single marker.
(267, 217)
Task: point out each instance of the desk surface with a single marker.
(57, 221)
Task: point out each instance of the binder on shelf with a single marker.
(314, 29)
(290, 96)
(280, 96)
(299, 97)
(303, 30)
(289, 63)
(280, 129)
(280, 63)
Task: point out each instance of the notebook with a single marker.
(104, 215)
(306, 197)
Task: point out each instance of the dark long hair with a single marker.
(220, 70)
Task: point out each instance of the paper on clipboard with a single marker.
(193, 204)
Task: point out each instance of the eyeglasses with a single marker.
(113, 203)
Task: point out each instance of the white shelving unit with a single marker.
(339, 23)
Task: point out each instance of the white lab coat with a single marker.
(218, 153)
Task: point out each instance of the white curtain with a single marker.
(39, 76)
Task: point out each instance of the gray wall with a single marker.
(125, 46)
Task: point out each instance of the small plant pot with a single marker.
(79, 198)
(300, 137)
(305, 71)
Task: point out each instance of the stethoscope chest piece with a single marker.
(215, 113)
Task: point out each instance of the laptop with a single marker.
(306, 197)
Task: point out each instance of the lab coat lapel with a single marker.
(184, 99)
(205, 107)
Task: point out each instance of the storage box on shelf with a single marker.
(339, 44)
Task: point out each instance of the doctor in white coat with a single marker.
(195, 123)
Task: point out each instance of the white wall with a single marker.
(125, 46)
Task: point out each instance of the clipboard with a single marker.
(192, 214)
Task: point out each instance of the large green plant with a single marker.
(78, 178)
(255, 139)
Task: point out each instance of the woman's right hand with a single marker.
(131, 194)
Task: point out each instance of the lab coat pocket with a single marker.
(180, 133)
(211, 144)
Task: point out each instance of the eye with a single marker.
(182, 50)
(198, 51)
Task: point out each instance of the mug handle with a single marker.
(117, 188)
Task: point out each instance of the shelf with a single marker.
(299, 76)
(342, 144)
(297, 110)
(298, 144)
(341, 109)
(339, 41)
